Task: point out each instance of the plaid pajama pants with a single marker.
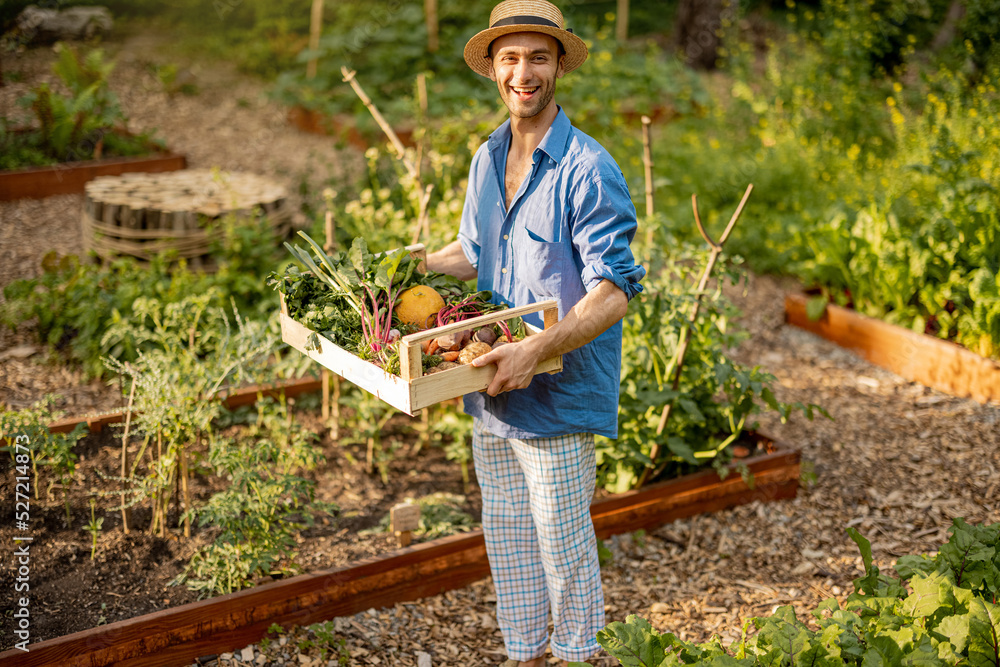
(540, 541)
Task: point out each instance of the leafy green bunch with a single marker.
(265, 504)
(350, 296)
(941, 611)
(716, 398)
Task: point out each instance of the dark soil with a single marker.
(130, 574)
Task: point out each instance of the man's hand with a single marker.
(451, 260)
(593, 315)
(515, 365)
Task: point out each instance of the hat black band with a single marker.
(525, 20)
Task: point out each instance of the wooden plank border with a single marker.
(937, 363)
(178, 636)
(71, 177)
(235, 399)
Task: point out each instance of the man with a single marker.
(547, 216)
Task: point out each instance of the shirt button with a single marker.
(503, 270)
(505, 237)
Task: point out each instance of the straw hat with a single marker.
(524, 16)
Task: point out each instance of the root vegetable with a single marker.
(485, 335)
(443, 366)
(453, 341)
(499, 342)
(473, 351)
(450, 356)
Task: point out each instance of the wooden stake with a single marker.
(186, 493)
(422, 95)
(647, 161)
(621, 21)
(126, 511)
(331, 410)
(349, 77)
(404, 518)
(315, 29)
(431, 15)
(678, 363)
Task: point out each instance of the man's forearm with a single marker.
(594, 314)
(589, 318)
(451, 260)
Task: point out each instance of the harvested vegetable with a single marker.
(443, 366)
(419, 306)
(485, 335)
(472, 351)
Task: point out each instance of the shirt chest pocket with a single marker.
(546, 267)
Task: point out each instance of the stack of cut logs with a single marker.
(143, 215)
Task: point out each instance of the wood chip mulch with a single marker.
(898, 463)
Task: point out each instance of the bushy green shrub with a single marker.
(84, 124)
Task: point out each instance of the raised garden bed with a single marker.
(931, 361)
(180, 635)
(71, 177)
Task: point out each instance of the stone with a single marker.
(49, 25)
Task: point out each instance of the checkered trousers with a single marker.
(540, 541)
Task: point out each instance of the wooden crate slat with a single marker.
(931, 361)
(387, 387)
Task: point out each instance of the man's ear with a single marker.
(561, 68)
(493, 75)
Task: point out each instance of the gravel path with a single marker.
(899, 462)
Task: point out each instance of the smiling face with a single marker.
(525, 66)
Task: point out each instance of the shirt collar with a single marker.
(553, 143)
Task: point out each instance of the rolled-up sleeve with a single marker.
(604, 224)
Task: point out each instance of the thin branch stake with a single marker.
(678, 366)
(349, 77)
(315, 29)
(126, 511)
(412, 169)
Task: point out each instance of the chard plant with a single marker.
(941, 611)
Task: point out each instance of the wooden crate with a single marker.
(412, 391)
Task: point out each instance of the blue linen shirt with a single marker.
(568, 228)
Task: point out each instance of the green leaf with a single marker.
(816, 306)
(634, 643)
(956, 629)
(931, 593)
(984, 634)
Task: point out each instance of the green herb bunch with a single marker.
(941, 611)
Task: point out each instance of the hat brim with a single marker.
(477, 50)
